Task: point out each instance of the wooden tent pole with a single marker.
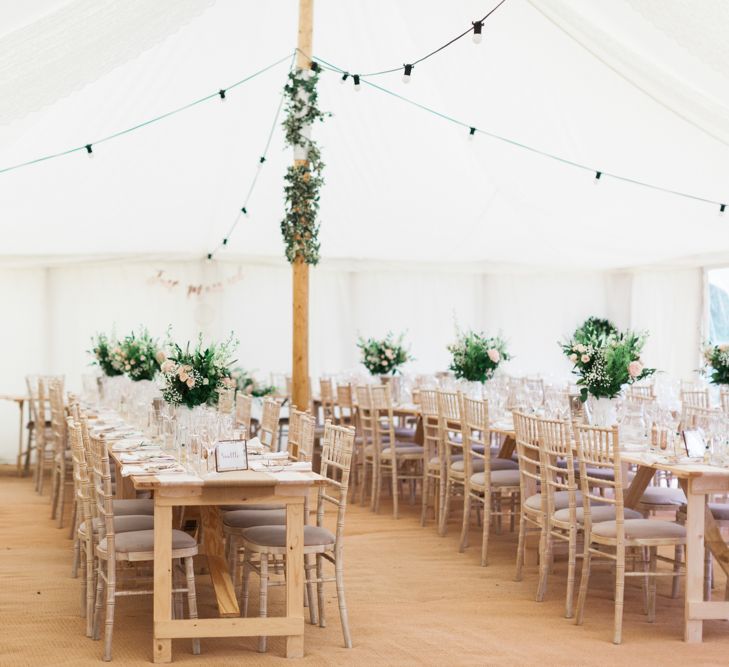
(300, 269)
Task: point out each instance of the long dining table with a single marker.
(698, 480)
(208, 492)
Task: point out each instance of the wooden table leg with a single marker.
(162, 648)
(507, 447)
(295, 576)
(637, 487)
(19, 462)
(212, 528)
(419, 436)
(696, 506)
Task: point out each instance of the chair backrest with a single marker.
(536, 386)
(336, 463)
(555, 447)
(58, 417)
(641, 391)
(694, 416)
(345, 405)
(81, 489)
(449, 424)
(724, 398)
(698, 398)
(476, 436)
(598, 449)
(383, 418)
(365, 415)
(243, 407)
(268, 432)
(89, 466)
(226, 397)
(431, 423)
(103, 492)
(300, 439)
(527, 451)
(326, 395)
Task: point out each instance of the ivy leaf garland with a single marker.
(303, 180)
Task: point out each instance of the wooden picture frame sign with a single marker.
(231, 455)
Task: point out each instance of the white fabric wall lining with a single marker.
(51, 314)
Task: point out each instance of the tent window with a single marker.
(718, 280)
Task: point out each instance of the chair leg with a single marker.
(571, 566)
(343, 615)
(395, 490)
(545, 558)
(582, 597)
(263, 598)
(619, 595)
(72, 527)
(521, 545)
(653, 551)
(485, 529)
(109, 616)
(191, 599)
(90, 573)
(678, 559)
(309, 567)
(708, 573)
(61, 493)
(466, 521)
(98, 604)
(443, 527)
(320, 589)
(76, 557)
(374, 487)
(54, 492)
(425, 495)
(246, 586)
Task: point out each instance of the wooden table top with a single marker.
(680, 469)
(15, 398)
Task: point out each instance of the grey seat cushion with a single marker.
(456, 457)
(641, 529)
(601, 473)
(404, 433)
(561, 500)
(247, 518)
(503, 464)
(719, 511)
(124, 523)
(459, 466)
(143, 541)
(133, 506)
(261, 506)
(598, 514)
(404, 449)
(275, 536)
(386, 446)
(498, 478)
(662, 495)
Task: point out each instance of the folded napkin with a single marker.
(254, 444)
(276, 455)
(147, 455)
(151, 469)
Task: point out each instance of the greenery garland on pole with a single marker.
(303, 179)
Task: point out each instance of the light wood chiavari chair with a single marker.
(243, 408)
(45, 453)
(326, 396)
(268, 430)
(132, 547)
(613, 540)
(345, 405)
(62, 470)
(489, 488)
(697, 398)
(267, 542)
(641, 392)
(368, 457)
(450, 452)
(433, 463)
(226, 399)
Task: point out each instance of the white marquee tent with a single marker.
(421, 228)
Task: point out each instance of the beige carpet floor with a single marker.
(413, 600)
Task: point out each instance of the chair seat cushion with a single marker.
(460, 464)
(662, 495)
(143, 541)
(436, 459)
(247, 518)
(261, 506)
(133, 506)
(719, 511)
(498, 478)
(404, 449)
(124, 523)
(503, 464)
(386, 445)
(598, 513)
(404, 433)
(601, 473)
(561, 500)
(275, 536)
(641, 529)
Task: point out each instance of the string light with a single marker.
(345, 76)
(89, 150)
(722, 209)
(406, 74)
(221, 92)
(314, 66)
(357, 87)
(471, 133)
(598, 176)
(477, 27)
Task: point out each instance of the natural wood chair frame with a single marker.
(433, 464)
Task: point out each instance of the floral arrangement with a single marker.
(246, 383)
(476, 357)
(717, 362)
(608, 363)
(107, 354)
(593, 331)
(141, 356)
(193, 377)
(383, 357)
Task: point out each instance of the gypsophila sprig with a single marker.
(717, 362)
(593, 331)
(107, 354)
(304, 180)
(608, 363)
(383, 357)
(193, 376)
(476, 357)
(141, 356)
(246, 383)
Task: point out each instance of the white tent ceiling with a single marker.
(633, 87)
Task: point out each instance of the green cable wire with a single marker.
(147, 122)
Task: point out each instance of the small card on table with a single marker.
(694, 443)
(231, 455)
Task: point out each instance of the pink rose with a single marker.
(635, 368)
(168, 366)
(190, 382)
(573, 358)
(494, 355)
(585, 358)
(160, 356)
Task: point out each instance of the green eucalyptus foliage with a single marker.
(302, 181)
(476, 357)
(105, 350)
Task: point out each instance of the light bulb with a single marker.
(221, 92)
(477, 26)
(345, 76)
(356, 83)
(722, 209)
(471, 133)
(406, 73)
(89, 150)
(598, 176)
